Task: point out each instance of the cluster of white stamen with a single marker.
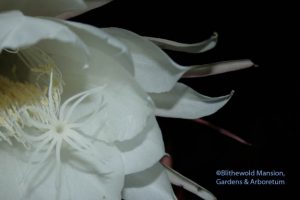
(55, 127)
(16, 94)
(32, 113)
(36, 117)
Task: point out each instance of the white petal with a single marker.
(21, 31)
(150, 184)
(99, 39)
(90, 4)
(60, 8)
(154, 70)
(82, 177)
(182, 47)
(127, 106)
(189, 185)
(144, 150)
(184, 102)
(42, 8)
(101, 180)
(9, 174)
(217, 68)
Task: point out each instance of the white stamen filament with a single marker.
(26, 107)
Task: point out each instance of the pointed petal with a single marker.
(53, 8)
(217, 68)
(144, 150)
(150, 184)
(184, 102)
(189, 185)
(154, 70)
(189, 48)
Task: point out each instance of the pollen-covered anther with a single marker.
(24, 100)
(14, 96)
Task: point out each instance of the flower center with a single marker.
(24, 82)
(60, 128)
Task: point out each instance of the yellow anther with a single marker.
(16, 96)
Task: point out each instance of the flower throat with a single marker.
(15, 94)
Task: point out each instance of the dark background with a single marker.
(264, 109)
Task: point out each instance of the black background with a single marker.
(264, 109)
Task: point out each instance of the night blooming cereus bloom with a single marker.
(78, 106)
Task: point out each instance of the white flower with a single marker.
(78, 105)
